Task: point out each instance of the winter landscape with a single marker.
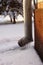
(10, 52)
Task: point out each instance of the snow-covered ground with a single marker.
(6, 19)
(10, 52)
(20, 56)
(9, 34)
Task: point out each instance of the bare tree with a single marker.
(12, 6)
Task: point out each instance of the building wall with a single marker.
(40, 4)
(39, 32)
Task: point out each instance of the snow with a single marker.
(9, 34)
(20, 56)
(10, 52)
(6, 19)
(19, 18)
